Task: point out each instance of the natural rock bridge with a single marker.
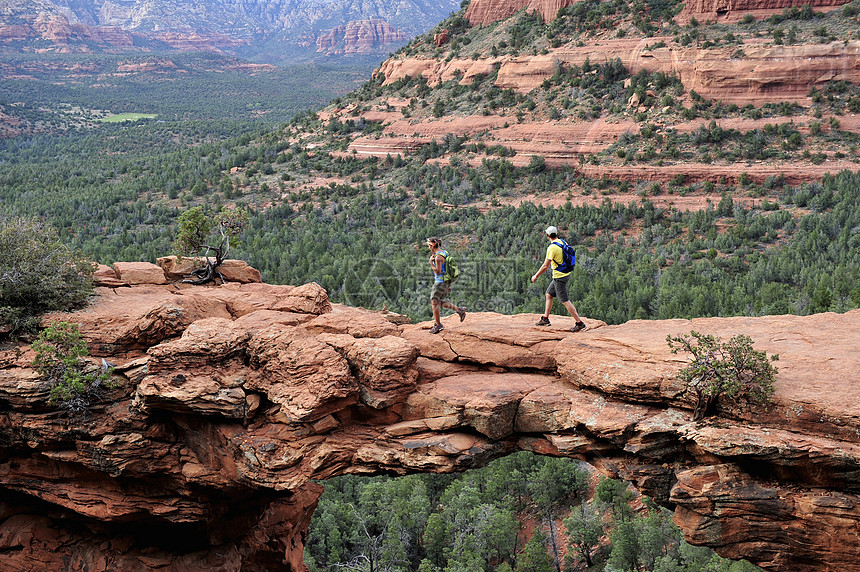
(233, 398)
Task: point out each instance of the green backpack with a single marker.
(452, 272)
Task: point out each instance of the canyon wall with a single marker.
(485, 12)
(359, 37)
(765, 73)
(230, 401)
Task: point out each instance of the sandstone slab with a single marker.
(139, 273)
(487, 403)
(232, 270)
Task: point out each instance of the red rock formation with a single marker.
(483, 12)
(765, 73)
(197, 41)
(734, 10)
(66, 36)
(231, 399)
(57, 29)
(441, 38)
(360, 37)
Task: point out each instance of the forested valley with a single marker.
(357, 226)
(115, 191)
(521, 513)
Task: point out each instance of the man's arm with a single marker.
(543, 268)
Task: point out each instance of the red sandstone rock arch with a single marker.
(235, 397)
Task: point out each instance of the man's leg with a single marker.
(548, 309)
(572, 309)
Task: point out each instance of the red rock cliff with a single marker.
(360, 37)
(231, 399)
(483, 12)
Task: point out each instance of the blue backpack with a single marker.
(568, 257)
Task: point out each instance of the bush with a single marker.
(38, 274)
(74, 382)
(732, 370)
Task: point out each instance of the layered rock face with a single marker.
(483, 12)
(733, 10)
(765, 73)
(230, 400)
(360, 37)
(258, 26)
(57, 29)
(61, 34)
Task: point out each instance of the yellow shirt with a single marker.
(556, 256)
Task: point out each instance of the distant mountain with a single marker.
(263, 30)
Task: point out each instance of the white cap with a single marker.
(551, 230)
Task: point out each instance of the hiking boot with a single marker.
(578, 327)
(544, 321)
(436, 328)
(462, 313)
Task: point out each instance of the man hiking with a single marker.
(441, 285)
(558, 287)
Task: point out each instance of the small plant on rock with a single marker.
(730, 370)
(74, 382)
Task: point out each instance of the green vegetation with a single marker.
(794, 253)
(200, 92)
(122, 117)
(724, 371)
(37, 274)
(494, 518)
(195, 236)
(74, 383)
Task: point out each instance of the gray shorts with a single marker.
(558, 288)
(440, 291)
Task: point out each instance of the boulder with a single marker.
(106, 276)
(176, 269)
(305, 376)
(487, 403)
(135, 273)
(202, 372)
(356, 322)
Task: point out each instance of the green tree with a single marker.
(624, 556)
(730, 370)
(195, 234)
(584, 529)
(74, 383)
(534, 557)
(657, 537)
(38, 274)
(551, 487)
(614, 493)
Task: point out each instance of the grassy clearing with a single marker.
(120, 117)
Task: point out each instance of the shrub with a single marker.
(74, 382)
(38, 274)
(730, 370)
